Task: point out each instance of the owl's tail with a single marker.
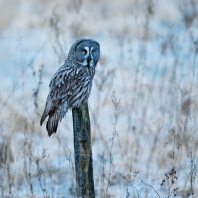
(53, 111)
(52, 122)
(56, 110)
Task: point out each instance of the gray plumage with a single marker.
(71, 84)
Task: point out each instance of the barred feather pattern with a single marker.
(71, 84)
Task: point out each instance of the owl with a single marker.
(71, 84)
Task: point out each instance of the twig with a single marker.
(116, 112)
(120, 174)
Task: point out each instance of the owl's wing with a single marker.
(62, 85)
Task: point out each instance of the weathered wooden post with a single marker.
(83, 152)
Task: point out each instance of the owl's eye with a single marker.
(92, 51)
(84, 51)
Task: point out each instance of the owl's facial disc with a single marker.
(87, 53)
(88, 56)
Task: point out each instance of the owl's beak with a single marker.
(89, 58)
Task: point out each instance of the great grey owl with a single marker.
(71, 84)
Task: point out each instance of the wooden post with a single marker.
(83, 152)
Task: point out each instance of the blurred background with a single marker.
(143, 105)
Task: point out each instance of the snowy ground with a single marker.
(148, 57)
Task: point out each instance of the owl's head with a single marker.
(86, 52)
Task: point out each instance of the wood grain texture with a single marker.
(83, 152)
